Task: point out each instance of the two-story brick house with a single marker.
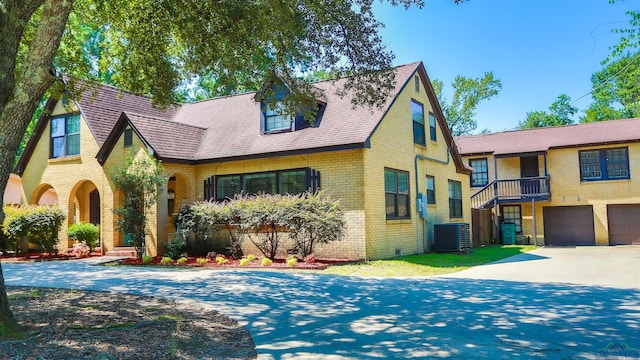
(581, 183)
(376, 161)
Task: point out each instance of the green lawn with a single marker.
(428, 264)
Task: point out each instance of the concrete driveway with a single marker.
(301, 316)
(611, 266)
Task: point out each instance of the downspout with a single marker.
(415, 161)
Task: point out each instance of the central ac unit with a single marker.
(451, 237)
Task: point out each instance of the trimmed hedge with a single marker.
(85, 233)
(310, 218)
(38, 224)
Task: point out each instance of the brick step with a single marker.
(122, 251)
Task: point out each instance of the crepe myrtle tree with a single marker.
(138, 184)
(154, 47)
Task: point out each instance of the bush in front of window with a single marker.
(310, 218)
(316, 219)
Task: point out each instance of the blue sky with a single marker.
(538, 49)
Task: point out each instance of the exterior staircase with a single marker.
(122, 252)
(513, 191)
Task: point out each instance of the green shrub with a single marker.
(201, 261)
(38, 224)
(266, 262)
(182, 260)
(166, 260)
(147, 259)
(221, 260)
(292, 261)
(317, 220)
(244, 262)
(175, 248)
(86, 233)
(251, 257)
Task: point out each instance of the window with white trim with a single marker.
(65, 135)
(604, 164)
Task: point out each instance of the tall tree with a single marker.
(560, 113)
(467, 95)
(616, 90)
(152, 47)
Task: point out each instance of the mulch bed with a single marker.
(74, 324)
(279, 264)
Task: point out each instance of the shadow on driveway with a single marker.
(324, 317)
(519, 258)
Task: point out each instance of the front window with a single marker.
(604, 164)
(396, 190)
(295, 181)
(432, 127)
(511, 214)
(455, 199)
(65, 136)
(417, 115)
(480, 174)
(276, 118)
(431, 190)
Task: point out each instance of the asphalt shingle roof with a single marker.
(543, 139)
(229, 127)
(102, 106)
(169, 139)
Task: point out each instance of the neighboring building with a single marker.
(13, 191)
(581, 183)
(376, 161)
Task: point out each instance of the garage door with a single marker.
(624, 224)
(568, 225)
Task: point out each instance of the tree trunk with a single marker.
(22, 86)
(8, 325)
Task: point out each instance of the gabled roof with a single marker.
(169, 140)
(227, 128)
(103, 105)
(543, 139)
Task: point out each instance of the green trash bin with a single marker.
(508, 233)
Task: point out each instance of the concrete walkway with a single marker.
(308, 316)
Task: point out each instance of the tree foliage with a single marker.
(558, 114)
(616, 90)
(138, 184)
(467, 95)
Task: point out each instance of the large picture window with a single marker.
(417, 115)
(396, 191)
(604, 164)
(455, 199)
(65, 135)
(293, 181)
(480, 174)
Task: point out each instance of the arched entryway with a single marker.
(84, 204)
(44, 194)
(177, 188)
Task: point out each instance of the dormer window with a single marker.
(276, 119)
